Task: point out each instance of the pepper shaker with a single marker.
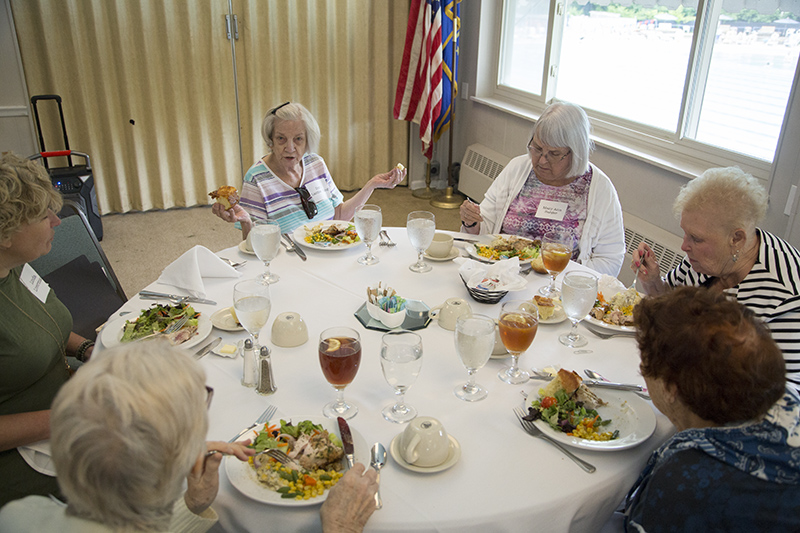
(250, 370)
(266, 383)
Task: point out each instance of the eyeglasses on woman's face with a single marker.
(305, 200)
(551, 156)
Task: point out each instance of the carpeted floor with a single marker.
(140, 245)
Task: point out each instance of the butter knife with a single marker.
(207, 348)
(464, 239)
(151, 295)
(347, 441)
(612, 385)
(293, 247)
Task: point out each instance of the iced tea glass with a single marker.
(556, 252)
(519, 321)
(339, 358)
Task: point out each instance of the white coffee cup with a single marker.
(447, 313)
(441, 246)
(424, 442)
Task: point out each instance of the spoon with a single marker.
(377, 460)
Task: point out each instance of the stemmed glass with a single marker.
(401, 361)
(519, 322)
(368, 225)
(556, 252)
(421, 226)
(339, 357)
(252, 304)
(578, 295)
(265, 238)
(474, 344)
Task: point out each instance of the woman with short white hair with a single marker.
(127, 431)
(292, 184)
(555, 187)
(726, 251)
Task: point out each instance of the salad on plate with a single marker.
(335, 234)
(317, 456)
(508, 246)
(159, 317)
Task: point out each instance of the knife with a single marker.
(150, 295)
(294, 248)
(464, 240)
(207, 348)
(347, 441)
(612, 385)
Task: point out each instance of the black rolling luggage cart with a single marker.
(75, 182)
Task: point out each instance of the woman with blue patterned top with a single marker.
(292, 184)
(714, 370)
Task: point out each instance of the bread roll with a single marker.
(227, 195)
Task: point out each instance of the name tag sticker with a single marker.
(551, 210)
(34, 283)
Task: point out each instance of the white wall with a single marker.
(645, 190)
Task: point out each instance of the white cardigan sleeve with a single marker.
(602, 241)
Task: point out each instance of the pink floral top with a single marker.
(521, 216)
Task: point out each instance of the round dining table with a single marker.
(504, 479)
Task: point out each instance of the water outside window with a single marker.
(632, 62)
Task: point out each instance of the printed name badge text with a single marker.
(34, 283)
(551, 210)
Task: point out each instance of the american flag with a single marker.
(419, 88)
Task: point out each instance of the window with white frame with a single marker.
(704, 76)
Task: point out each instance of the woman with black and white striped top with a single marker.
(725, 251)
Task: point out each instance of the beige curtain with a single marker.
(148, 87)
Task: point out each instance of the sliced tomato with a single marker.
(547, 401)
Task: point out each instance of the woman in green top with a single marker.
(36, 328)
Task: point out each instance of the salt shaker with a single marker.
(266, 383)
(250, 373)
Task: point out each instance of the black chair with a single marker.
(78, 271)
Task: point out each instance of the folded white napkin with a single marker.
(37, 455)
(500, 276)
(187, 271)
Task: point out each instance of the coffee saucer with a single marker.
(449, 257)
(244, 250)
(453, 455)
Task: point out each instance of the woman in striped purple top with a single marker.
(725, 251)
(292, 184)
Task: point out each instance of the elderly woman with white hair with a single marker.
(127, 431)
(555, 187)
(292, 184)
(726, 251)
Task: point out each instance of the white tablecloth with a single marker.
(505, 480)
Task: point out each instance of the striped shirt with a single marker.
(265, 195)
(771, 290)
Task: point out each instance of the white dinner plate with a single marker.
(111, 334)
(485, 240)
(631, 415)
(612, 327)
(243, 476)
(223, 319)
(453, 455)
(299, 236)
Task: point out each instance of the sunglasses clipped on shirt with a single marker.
(308, 204)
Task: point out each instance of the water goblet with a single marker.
(368, 221)
(578, 295)
(339, 358)
(519, 322)
(556, 252)
(421, 226)
(265, 238)
(401, 361)
(252, 304)
(474, 344)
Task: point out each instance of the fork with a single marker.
(609, 335)
(265, 416)
(389, 242)
(234, 264)
(282, 458)
(536, 432)
(172, 328)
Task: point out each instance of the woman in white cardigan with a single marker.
(555, 187)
